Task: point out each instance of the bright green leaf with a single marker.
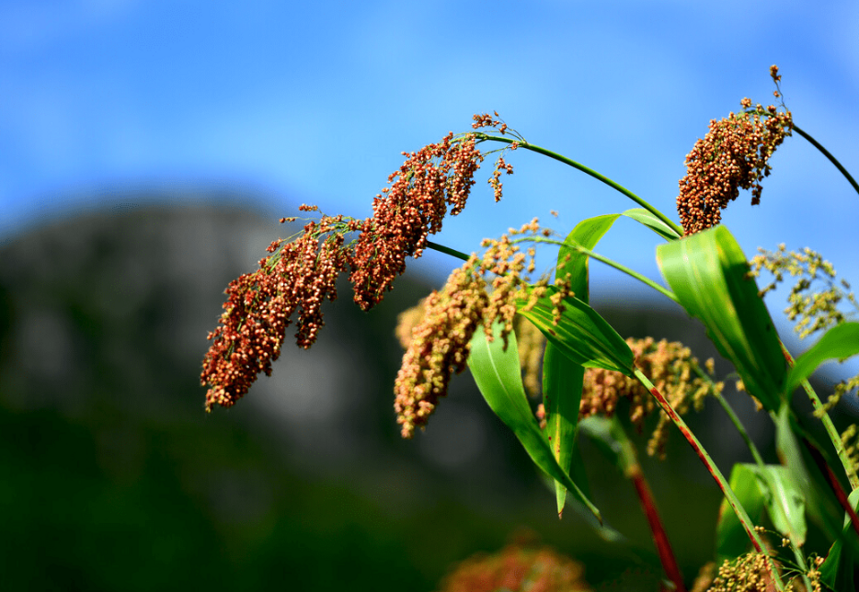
(581, 334)
(574, 264)
(499, 379)
(709, 275)
(653, 223)
(731, 538)
(562, 378)
(562, 393)
(839, 343)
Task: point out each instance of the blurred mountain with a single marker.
(113, 477)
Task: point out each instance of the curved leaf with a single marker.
(499, 379)
(581, 334)
(562, 378)
(572, 264)
(653, 223)
(709, 275)
(784, 501)
(839, 343)
(562, 393)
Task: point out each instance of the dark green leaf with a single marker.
(837, 570)
(821, 505)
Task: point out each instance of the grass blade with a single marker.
(708, 274)
(499, 379)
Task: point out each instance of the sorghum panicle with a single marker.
(517, 568)
(734, 154)
(812, 307)
(671, 368)
(299, 276)
(406, 213)
(440, 342)
(530, 340)
(439, 346)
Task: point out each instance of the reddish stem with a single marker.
(681, 425)
(660, 537)
(834, 483)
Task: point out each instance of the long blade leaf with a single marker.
(581, 334)
(708, 274)
(496, 372)
(562, 378)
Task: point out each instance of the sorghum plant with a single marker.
(518, 332)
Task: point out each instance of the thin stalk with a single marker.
(447, 251)
(611, 263)
(729, 494)
(833, 434)
(831, 158)
(539, 239)
(732, 416)
(587, 171)
(660, 537)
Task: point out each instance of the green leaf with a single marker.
(499, 379)
(819, 501)
(839, 343)
(562, 393)
(731, 538)
(785, 503)
(581, 334)
(709, 275)
(653, 223)
(562, 378)
(769, 487)
(837, 570)
(574, 265)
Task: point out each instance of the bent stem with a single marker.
(831, 158)
(447, 250)
(480, 136)
(610, 262)
(729, 494)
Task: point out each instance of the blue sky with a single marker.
(314, 101)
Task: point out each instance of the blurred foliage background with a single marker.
(113, 477)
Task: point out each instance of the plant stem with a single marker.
(560, 158)
(729, 494)
(610, 262)
(732, 416)
(833, 434)
(831, 158)
(447, 250)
